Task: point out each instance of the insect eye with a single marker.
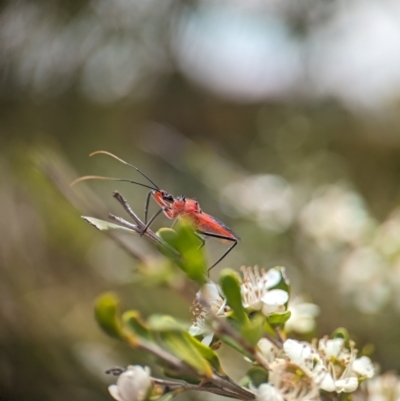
(168, 198)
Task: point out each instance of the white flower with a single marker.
(332, 365)
(301, 354)
(363, 367)
(290, 381)
(132, 385)
(266, 392)
(256, 290)
(302, 316)
(208, 302)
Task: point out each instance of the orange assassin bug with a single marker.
(204, 224)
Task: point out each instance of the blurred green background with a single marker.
(280, 117)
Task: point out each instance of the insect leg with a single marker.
(146, 206)
(203, 241)
(127, 208)
(224, 237)
(151, 220)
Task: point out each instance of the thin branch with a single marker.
(140, 227)
(172, 386)
(222, 382)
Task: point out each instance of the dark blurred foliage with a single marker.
(280, 117)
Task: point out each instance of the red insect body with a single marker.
(189, 209)
(179, 207)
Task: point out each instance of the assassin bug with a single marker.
(204, 224)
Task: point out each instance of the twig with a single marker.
(224, 383)
(140, 227)
(172, 386)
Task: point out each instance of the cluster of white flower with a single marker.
(258, 294)
(299, 370)
(294, 370)
(349, 234)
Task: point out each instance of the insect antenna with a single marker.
(99, 177)
(128, 164)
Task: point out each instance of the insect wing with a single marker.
(211, 224)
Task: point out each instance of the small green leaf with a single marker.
(257, 375)
(231, 288)
(173, 374)
(188, 244)
(134, 324)
(341, 332)
(159, 323)
(172, 394)
(207, 353)
(107, 314)
(177, 342)
(278, 319)
(254, 329)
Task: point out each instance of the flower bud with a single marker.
(132, 385)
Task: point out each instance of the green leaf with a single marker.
(159, 323)
(207, 353)
(172, 394)
(253, 330)
(174, 374)
(171, 330)
(168, 236)
(278, 319)
(133, 323)
(188, 244)
(231, 288)
(257, 375)
(178, 343)
(341, 332)
(107, 314)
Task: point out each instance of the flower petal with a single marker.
(209, 292)
(331, 348)
(274, 300)
(113, 389)
(363, 366)
(267, 349)
(266, 392)
(272, 277)
(196, 330)
(346, 385)
(208, 339)
(324, 379)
